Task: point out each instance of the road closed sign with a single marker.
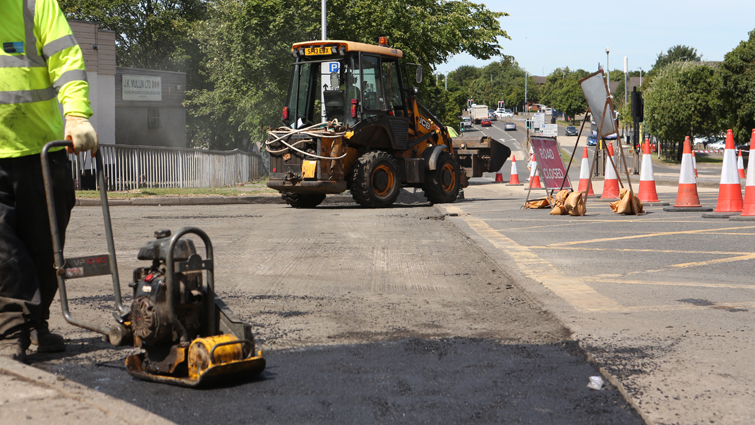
(552, 169)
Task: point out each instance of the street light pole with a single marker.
(324, 21)
(626, 69)
(640, 75)
(608, 70)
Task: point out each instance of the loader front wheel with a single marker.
(375, 181)
(301, 200)
(442, 184)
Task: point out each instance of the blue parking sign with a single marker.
(334, 66)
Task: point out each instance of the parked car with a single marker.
(721, 144)
(509, 126)
(485, 122)
(571, 131)
(592, 140)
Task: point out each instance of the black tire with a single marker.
(375, 181)
(442, 185)
(300, 200)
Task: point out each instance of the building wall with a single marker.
(98, 48)
(132, 117)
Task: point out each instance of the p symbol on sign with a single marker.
(334, 66)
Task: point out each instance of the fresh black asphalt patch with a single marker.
(412, 381)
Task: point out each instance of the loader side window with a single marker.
(393, 87)
(372, 84)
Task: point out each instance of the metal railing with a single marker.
(130, 167)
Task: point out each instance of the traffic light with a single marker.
(638, 106)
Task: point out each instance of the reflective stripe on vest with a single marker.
(34, 59)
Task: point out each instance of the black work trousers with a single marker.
(27, 274)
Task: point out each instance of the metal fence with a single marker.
(131, 167)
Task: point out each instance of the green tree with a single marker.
(679, 103)
(569, 98)
(736, 95)
(247, 45)
(674, 54)
(150, 34)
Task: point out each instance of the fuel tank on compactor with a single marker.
(480, 154)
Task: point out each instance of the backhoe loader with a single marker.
(352, 122)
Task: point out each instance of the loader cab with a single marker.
(348, 81)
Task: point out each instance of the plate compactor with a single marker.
(188, 336)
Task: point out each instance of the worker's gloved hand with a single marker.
(81, 132)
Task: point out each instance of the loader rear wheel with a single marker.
(301, 200)
(375, 182)
(442, 184)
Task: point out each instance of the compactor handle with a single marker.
(60, 260)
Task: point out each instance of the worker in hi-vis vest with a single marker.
(40, 64)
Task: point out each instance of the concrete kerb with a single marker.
(198, 200)
(35, 396)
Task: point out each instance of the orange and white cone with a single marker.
(741, 165)
(534, 175)
(729, 190)
(686, 197)
(694, 164)
(584, 175)
(611, 182)
(514, 181)
(748, 209)
(498, 177)
(647, 191)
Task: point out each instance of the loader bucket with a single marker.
(499, 153)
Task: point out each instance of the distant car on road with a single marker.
(592, 140)
(571, 131)
(505, 113)
(486, 122)
(509, 126)
(466, 123)
(493, 117)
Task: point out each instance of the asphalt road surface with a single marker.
(366, 316)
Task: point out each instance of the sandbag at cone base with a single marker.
(514, 180)
(611, 182)
(647, 191)
(729, 190)
(585, 185)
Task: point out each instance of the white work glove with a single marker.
(81, 132)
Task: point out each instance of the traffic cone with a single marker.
(748, 209)
(534, 176)
(611, 182)
(686, 197)
(729, 190)
(584, 175)
(514, 181)
(647, 193)
(498, 177)
(741, 165)
(694, 164)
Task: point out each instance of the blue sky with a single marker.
(548, 34)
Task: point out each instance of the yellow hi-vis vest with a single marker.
(39, 58)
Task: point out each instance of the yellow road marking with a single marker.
(572, 290)
(575, 291)
(613, 280)
(647, 235)
(665, 251)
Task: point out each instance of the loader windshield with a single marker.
(322, 89)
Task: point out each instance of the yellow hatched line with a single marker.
(647, 235)
(572, 290)
(575, 291)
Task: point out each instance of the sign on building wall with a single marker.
(142, 87)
